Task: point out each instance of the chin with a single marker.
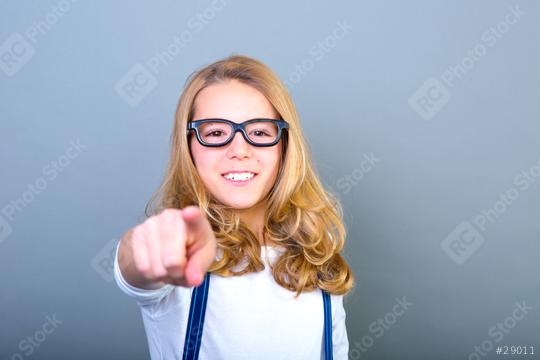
(237, 203)
(240, 205)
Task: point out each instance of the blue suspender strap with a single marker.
(327, 326)
(197, 311)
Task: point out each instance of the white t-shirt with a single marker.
(247, 317)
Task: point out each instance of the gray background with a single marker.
(444, 152)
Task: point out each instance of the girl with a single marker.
(240, 257)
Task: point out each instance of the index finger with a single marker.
(198, 228)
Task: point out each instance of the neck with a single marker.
(254, 219)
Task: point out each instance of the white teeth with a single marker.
(239, 176)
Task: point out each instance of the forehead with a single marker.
(232, 100)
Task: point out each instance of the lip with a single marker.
(239, 182)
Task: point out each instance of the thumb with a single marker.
(202, 247)
(194, 272)
(199, 262)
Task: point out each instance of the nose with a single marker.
(239, 147)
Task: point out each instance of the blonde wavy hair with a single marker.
(301, 215)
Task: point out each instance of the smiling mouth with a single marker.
(239, 176)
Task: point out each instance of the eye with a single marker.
(215, 133)
(260, 133)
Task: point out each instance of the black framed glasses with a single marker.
(220, 132)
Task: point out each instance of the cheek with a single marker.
(271, 160)
(202, 158)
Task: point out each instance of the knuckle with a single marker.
(137, 231)
(137, 244)
(170, 212)
(144, 271)
(159, 272)
(150, 222)
(170, 261)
